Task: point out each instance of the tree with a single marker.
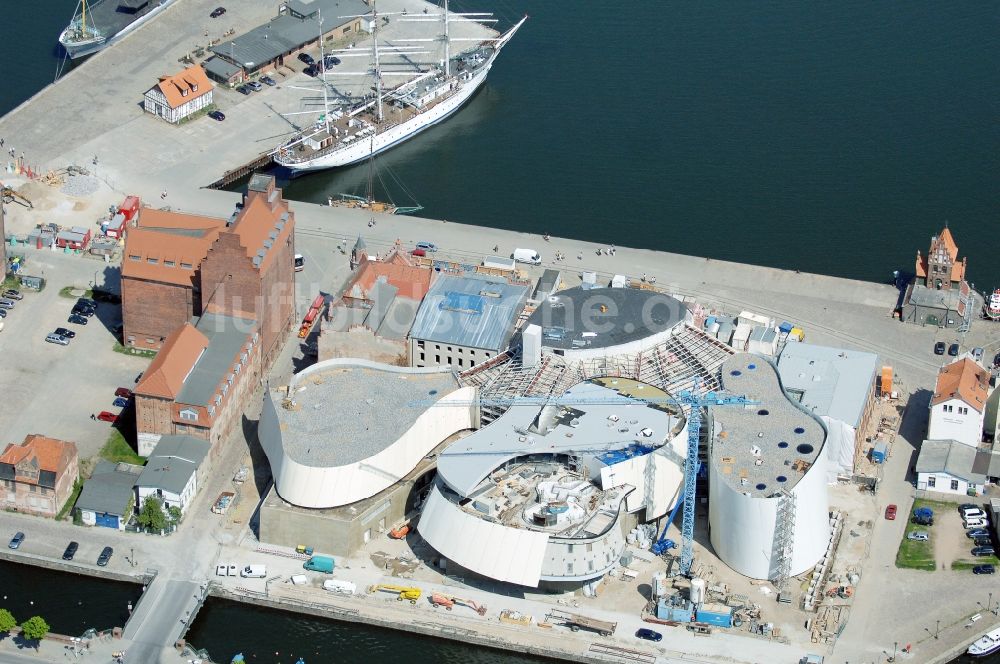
(151, 515)
(7, 621)
(34, 629)
(175, 514)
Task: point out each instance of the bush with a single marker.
(7, 621)
(34, 628)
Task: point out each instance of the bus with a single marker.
(300, 263)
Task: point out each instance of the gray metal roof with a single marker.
(226, 336)
(173, 461)
(628, 314)
(347, 410)
(470, 311)
(832, 381)
(109, 489)
(547, 284)
(221, 69)
(954, 458)
(287, 33)
(755, 446)
(933, 298)
(398, 319)
(531, 429)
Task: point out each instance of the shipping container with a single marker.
(880, 452)
(718, 615)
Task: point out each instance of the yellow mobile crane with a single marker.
(402, 592)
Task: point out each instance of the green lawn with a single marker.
(77, 488)
(67, 291)
(920, 555)
(131, 350)
(969, 564)
(117, 450)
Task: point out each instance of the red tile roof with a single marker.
(965, 380)
(181, 88)
(171, 239)
(257, 221)
(411, 282)
(51, 454)
(165, 376)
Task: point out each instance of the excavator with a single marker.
(10, 196)
(402, 592)
(448, 601)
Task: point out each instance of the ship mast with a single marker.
(447, 43)
(83, 24)
(322, 63)
(378, 71)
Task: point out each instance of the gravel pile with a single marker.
(80, 185)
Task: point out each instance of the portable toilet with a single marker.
(880, 452)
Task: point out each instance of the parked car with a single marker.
(69, 334)
(105, 557)
(331, 61)
(54, 338)
(972, 512)
(982, 541)
(427, 246)
(890, 512)
(15, 541)
(978, 532)
(6, 303)
(984, 569)
(217, 12)
(79, 310)
(106, 296)
(217, 115)
(87, 302)
(244, 90)
(919, 536)
(977, 353)
(648, 635)
(923, 520)
(953, 350)
(3, 313)
(12, 294)
(311, 70)
(939, 348)
(996, 360)
(119, 402)
(70, 551)
(255, 86)
(77, 319)
(306, 58)
(983, 551)
(267, 80)
(977, 523)
(106, 416)
(123, 392)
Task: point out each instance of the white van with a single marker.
(527, 256)
(342, 587)
(254, 572)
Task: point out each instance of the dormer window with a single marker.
(189, 414)
(194, 88)
(184, 92)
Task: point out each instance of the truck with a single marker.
(338, 586)
(254, 572)
(500, 263)
(319, 564)
(529, 256)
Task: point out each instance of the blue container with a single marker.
(785, 327)
(716, 619)
(880, 452)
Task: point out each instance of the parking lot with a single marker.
(51, 389)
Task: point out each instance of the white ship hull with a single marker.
(363, 150)
(986, 645)
(79, 49)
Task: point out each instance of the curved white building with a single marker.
(541, 493)
(348, 429)
(768, 507)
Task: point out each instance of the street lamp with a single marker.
(989, 605)
(895, 644)
(937, 629)
(132, 557)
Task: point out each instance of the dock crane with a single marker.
(696, 401)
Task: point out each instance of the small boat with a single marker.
(987, 644)
(991, 309)
(238, 659)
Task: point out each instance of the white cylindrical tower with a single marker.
(660, 584)
(699, 590)
(768, 507)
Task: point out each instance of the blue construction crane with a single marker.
(696, 402)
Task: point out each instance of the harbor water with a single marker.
(832, 138)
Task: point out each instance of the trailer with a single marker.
(576, 622)
(311, 315)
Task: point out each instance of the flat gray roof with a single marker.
(470, 311)
(344, 414)
(628, 314)
(954, 458)
(222, 69)
(529, 429)
(832, 381)
(775, 431)
(226, 336)
(109, 488)
(286, 33)
(933, 298)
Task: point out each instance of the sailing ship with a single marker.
(991, 309)
(353, 133)
(368, 202)
(99, 23)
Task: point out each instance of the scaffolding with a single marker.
(784, 541)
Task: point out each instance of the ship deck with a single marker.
(104, 15)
